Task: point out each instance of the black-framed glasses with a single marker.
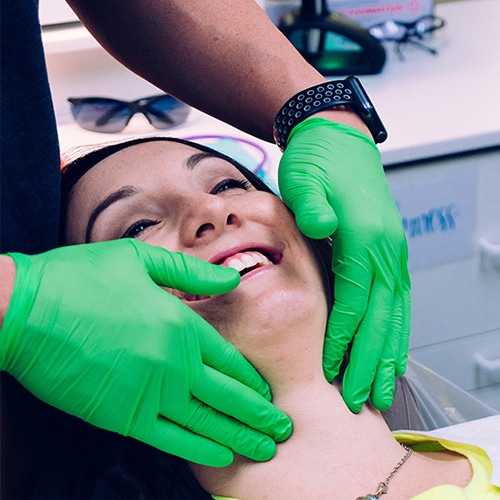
(103, 114)
(408, 32)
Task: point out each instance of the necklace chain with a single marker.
(383, 487)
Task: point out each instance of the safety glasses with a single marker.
(102, 114)
(408, 32)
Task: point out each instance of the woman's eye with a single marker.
(227, 184)
(137, 228)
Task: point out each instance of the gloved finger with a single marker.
(223, 357)
(383, 385)
(305, 196)
(231, 398)
(406, 307)
(172, 438)
(352, 289)
(209, 423)
(334, 348)
(187, 273)
(404, 342)
(367, 347)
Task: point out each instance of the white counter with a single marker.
(437, 105)
(431, 105)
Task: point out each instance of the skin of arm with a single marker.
(180, 45)
(8, 274)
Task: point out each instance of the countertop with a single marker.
(431, 105)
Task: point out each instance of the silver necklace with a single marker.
(383, 487)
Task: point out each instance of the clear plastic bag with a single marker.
(424, 400)
(440, 402)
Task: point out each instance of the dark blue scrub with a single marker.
(29, 148)
(29, 213)
(45, 453)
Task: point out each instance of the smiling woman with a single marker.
(190, 199)
(173, 194)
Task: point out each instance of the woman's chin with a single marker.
(256, 318)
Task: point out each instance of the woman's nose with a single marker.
(206, 217)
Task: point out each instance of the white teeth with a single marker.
(235, 264)
(247, 260)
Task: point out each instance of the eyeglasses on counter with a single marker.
(103, 114)
(403, 33)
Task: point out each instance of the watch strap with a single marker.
(347, 92)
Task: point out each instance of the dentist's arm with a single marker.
(230, 61)
(227, 59)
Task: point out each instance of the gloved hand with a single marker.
(332, 178)
(89, 330)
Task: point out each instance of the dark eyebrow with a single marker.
(193, 160)
(121, 193)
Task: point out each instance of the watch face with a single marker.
(368, 113)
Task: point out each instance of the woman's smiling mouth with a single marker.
(244, 261)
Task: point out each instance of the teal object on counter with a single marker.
(331, 42)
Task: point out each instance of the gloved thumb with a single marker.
(315, 217)
(186, 273)
(305, 196)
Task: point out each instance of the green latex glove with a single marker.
(332, 178)
(89, 331)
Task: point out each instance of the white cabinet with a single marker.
(456, 273)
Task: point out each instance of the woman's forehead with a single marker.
(151, 166)
(163, 153)
(146, 159)
(153, 150)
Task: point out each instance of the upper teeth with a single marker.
(242, 261)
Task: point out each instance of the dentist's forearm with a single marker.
(229, 60)
(7, 278)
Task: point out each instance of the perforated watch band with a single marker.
(348, 92)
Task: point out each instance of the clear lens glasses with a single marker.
(408, 32)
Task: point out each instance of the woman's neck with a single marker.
(332, 453)
(328, 445)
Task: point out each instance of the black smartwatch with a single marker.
(348, 92)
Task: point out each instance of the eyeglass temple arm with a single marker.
(419, 44)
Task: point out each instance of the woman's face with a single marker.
(174, 196)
